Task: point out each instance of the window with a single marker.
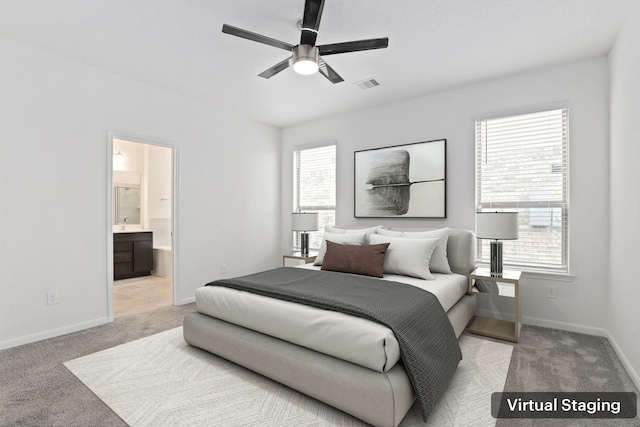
(314, 181)
(522, 165)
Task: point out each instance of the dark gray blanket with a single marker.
(428, 345)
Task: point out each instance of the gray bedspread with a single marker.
(429, 349)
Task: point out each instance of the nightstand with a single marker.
(506, 285)
(298, 259)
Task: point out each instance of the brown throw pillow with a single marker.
(365, 260)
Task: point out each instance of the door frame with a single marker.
(111, 135)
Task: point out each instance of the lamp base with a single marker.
(304, 243)
(496, 258)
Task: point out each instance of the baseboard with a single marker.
(551, 324)
(564, 326)
(52, 333)
(186, 301)
(625, 362)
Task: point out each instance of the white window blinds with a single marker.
(522, 165)
(314, 171)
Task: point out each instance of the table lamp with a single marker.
(496, 226)
(304, 222)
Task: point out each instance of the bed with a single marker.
(351, 363)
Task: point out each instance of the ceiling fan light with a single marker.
(305, 59)
(305, 67)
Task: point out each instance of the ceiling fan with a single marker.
(307, 58)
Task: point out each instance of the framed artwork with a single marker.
(407, 181)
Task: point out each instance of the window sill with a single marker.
(549, 275)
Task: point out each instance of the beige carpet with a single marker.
(141, 294)
(161, 381)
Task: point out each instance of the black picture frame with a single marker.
(401, 181)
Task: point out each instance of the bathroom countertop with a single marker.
(131, 230)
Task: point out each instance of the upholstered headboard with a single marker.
(461, 247)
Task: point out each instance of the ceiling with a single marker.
(434, 45)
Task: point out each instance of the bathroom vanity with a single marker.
(132, 254)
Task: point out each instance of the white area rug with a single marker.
(161, 381)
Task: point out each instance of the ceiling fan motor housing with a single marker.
(305, 59)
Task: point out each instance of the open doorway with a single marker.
(141, 219)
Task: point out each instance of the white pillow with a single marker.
(345, 239)
(439, 261)
(408, 257)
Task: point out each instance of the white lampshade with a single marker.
(497, 225)
(304, 221)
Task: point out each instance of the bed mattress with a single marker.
(359, 341)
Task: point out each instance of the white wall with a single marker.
(132, 159)
(583, 87)
(56, 115)
(159, 181)
(624, 290)
(159, 167)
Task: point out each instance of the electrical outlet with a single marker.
(52, 297)
(551, 292)
(223, 269)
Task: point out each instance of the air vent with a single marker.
(367, 84)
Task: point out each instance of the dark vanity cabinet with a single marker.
(132, 254)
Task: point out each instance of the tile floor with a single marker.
(141, 294)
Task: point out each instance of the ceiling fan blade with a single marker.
(275, 69)
(328, 72)
(239, 32)
(354, 46)
(311, 21)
